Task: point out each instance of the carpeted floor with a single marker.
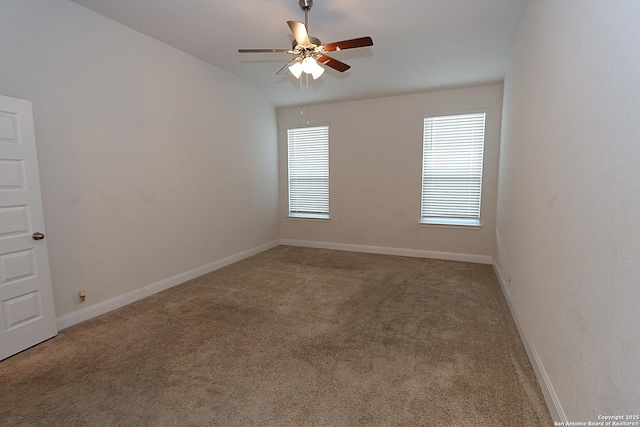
(290, 337)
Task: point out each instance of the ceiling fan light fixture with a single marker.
(317, 72)
(296, 69)
(311, 66)
(308, 65)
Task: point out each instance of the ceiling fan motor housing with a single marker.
(315, 42)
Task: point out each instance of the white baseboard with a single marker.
(550, 396)
(416, 253)
(122, 300)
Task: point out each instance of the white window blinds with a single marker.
(452, 169)
(309, 172)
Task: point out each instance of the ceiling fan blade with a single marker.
(333, 63)
(285, 69)
(348, 44)
(264, 51)
(299, 33)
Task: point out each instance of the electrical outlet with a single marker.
(81, 296)
(376, 239)
(509, 280)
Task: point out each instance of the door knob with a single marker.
(37, 236)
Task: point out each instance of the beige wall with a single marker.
(569, 201)
(152, 162)
(375, 172)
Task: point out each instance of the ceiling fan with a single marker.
(309, 51)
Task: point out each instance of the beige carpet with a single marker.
(290, 337)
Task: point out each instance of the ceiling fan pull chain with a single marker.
(307, 79)
(301, 99)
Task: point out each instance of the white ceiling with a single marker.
(419, 45)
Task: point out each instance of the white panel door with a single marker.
(27, 315)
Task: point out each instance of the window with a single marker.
(452, 169)
(309, 172)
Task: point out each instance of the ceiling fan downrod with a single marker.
(305, 5)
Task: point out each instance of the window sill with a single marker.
(300, 215)
(473, 224)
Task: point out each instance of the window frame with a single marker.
(471, 221)
(295, 208)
